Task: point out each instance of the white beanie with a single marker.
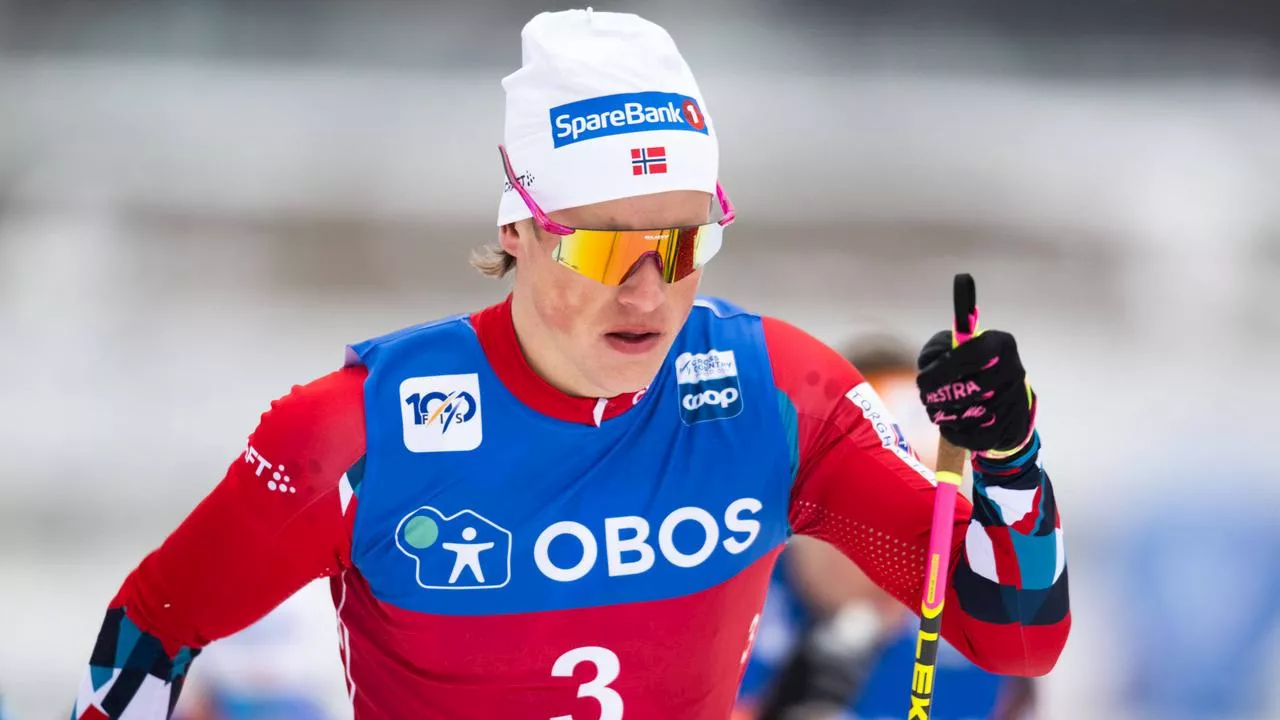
(603, 107)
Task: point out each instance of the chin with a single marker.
(624, 370)
(629, 375)
(629, 382)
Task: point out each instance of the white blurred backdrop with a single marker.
(201, 203)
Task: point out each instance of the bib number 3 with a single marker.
(607, 668)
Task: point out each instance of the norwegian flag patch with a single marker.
(648, 161)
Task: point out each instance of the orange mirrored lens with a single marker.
(609, 256)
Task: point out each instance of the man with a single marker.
(855, 645)
(636, 456)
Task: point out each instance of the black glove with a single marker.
(825, 673)
(977, 394)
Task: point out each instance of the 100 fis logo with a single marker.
(447, 410)
(442, 413)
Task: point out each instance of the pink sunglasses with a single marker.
(610, 256)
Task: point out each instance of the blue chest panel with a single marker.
(471, 503)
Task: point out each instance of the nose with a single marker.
(644, 290)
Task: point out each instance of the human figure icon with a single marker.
(468, 555)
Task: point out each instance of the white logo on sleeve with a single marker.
(441, 413)
(278, 479)
(890, 433)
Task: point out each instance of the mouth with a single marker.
(634, 341)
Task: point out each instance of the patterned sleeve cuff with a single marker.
(1005, 471)
(130, 671)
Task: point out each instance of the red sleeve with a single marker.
(279, 519)
(861, 488)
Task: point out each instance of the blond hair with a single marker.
(492, 261)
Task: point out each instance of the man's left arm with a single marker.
(860, 487)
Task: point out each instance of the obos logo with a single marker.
(467, 551)
(687, 537)
(890, 433)
(625, 113)
(707, 384)
(441, 413)
(462, 551)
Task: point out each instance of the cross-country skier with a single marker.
(625, 459)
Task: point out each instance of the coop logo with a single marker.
(462, 551)
(441, 413)
(708, 386)
(722, 398)
(625, 113)
(569, 550)
(888, 430)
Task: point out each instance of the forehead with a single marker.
(666, 209)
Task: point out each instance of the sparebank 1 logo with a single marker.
(441, 413)
(708, 386)
(625, 113)
(462, 551)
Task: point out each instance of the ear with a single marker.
(511, 237)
